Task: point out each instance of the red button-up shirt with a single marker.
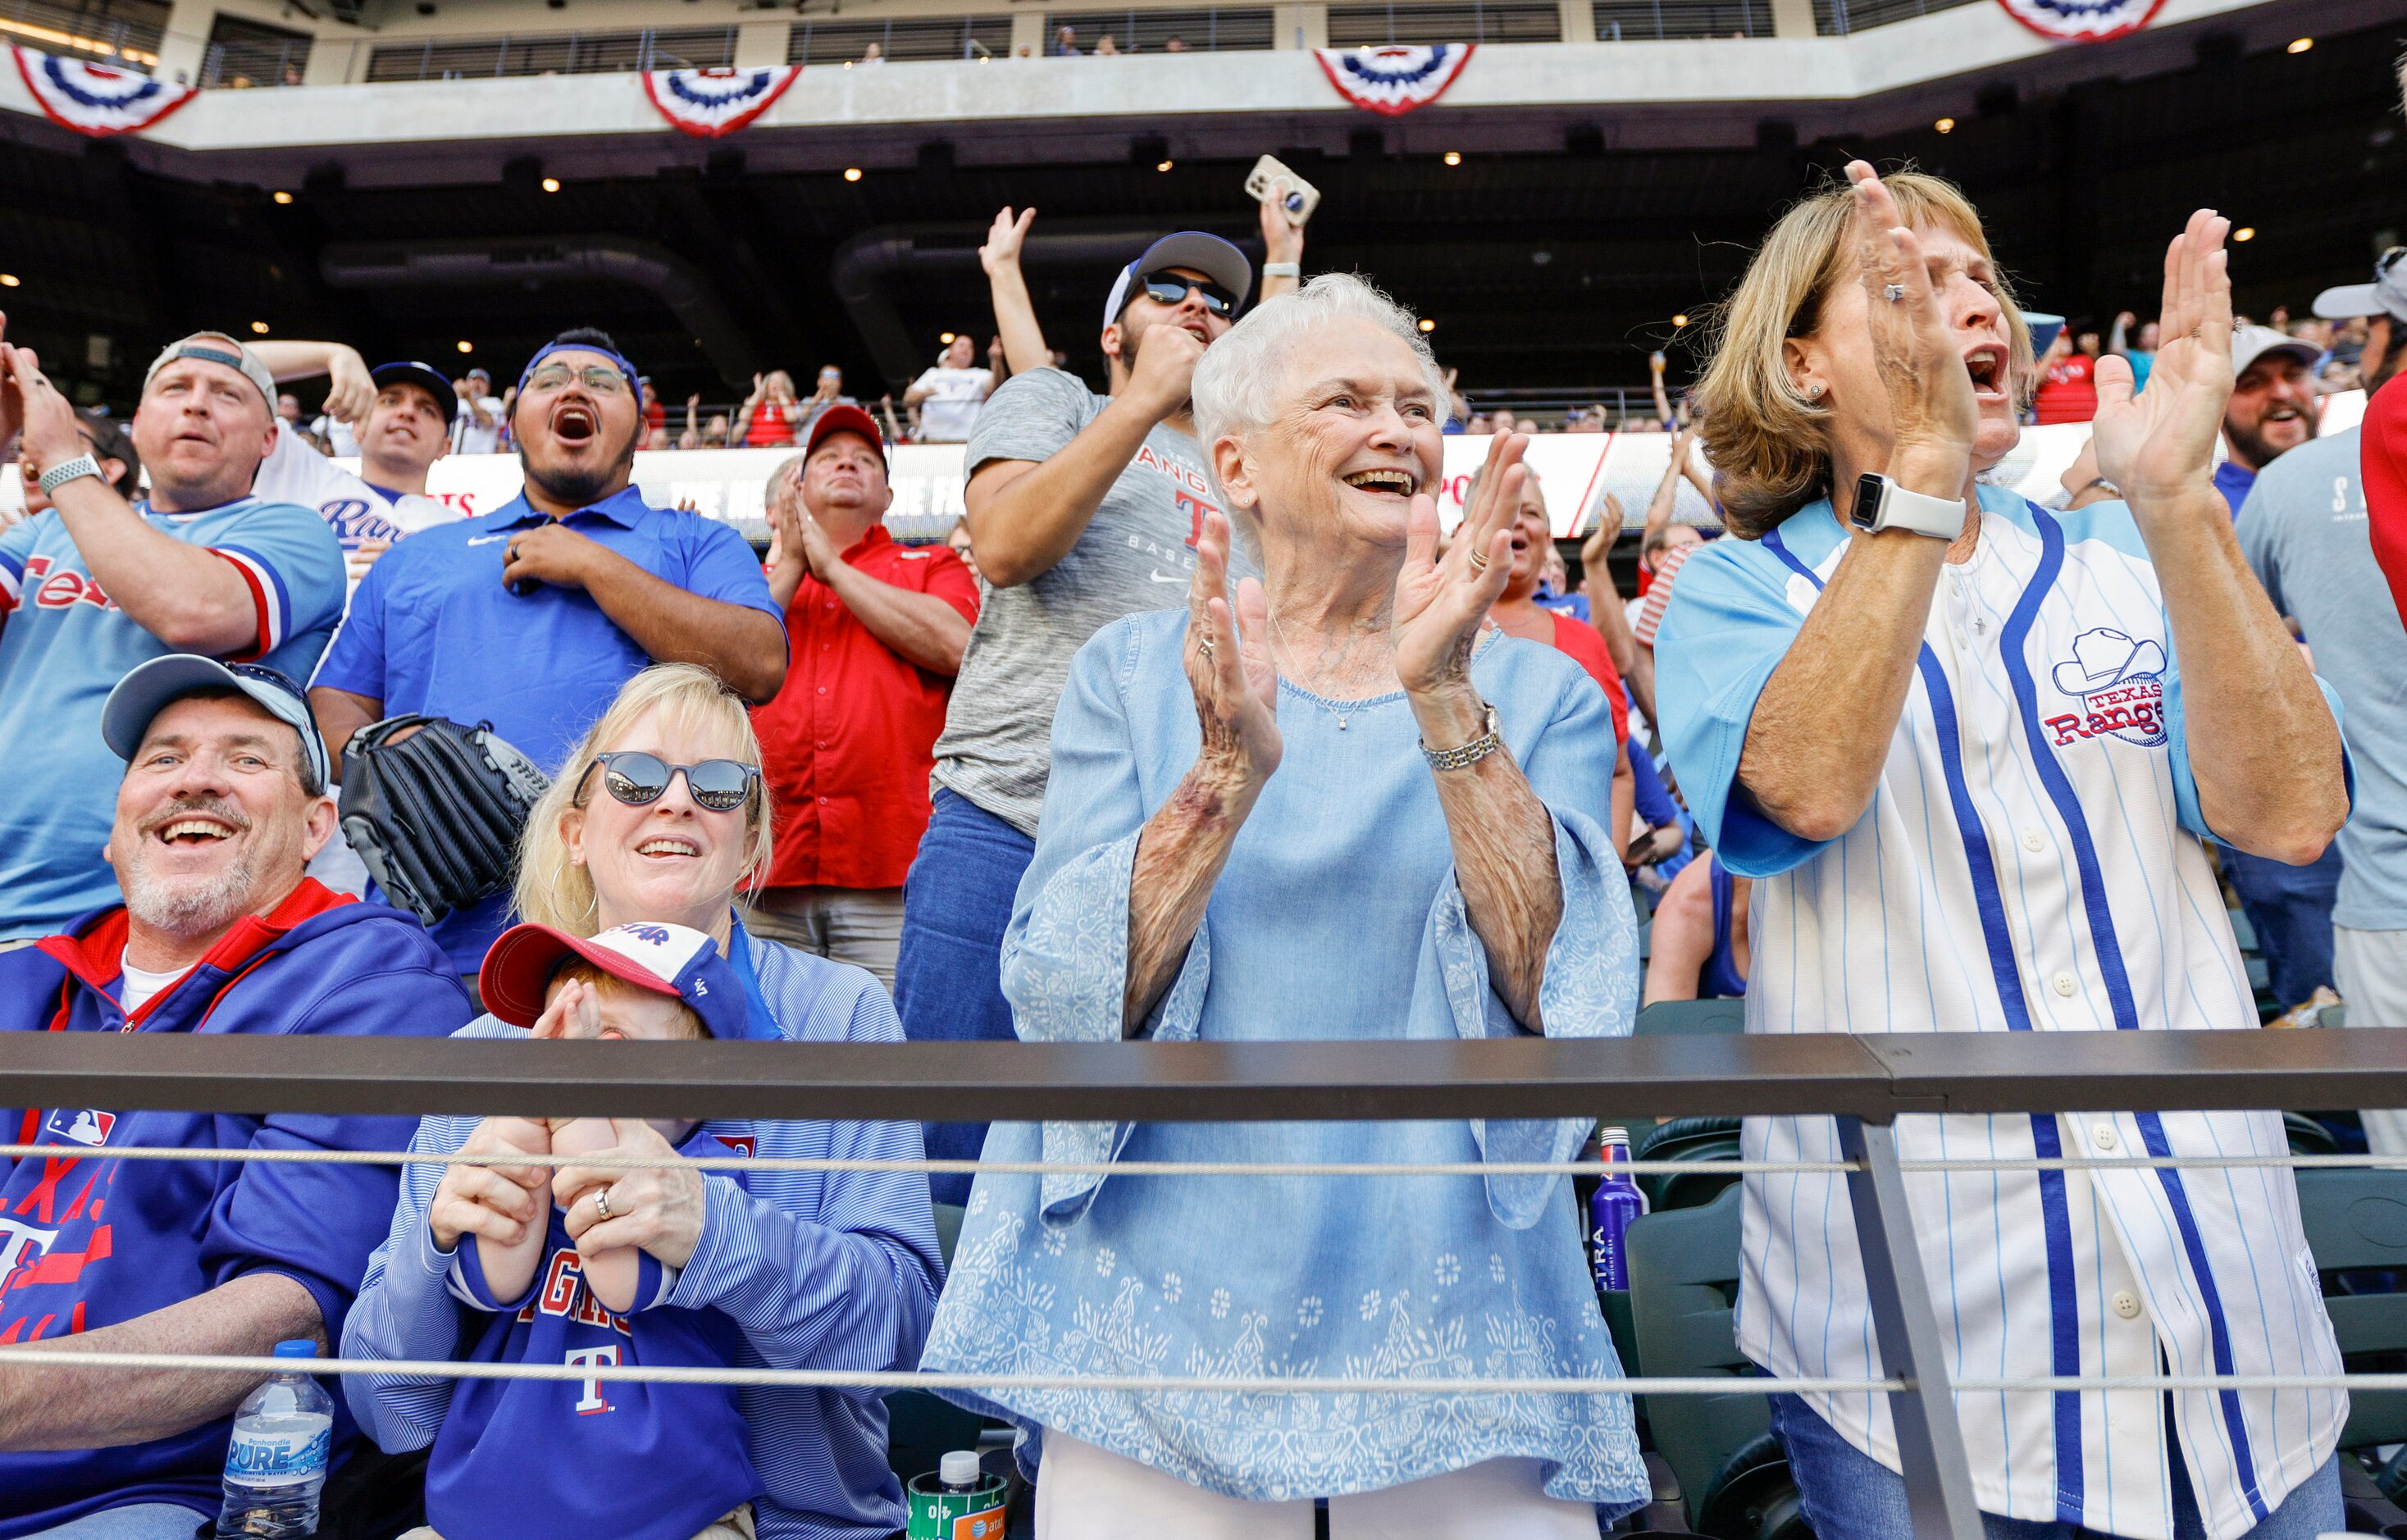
(847, 745)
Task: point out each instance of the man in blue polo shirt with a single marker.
(95, 585)
(532, 616)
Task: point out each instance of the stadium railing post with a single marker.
(1929, 1443)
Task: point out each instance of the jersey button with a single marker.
(2126, 1304)
(2066, 984)
(2102, 1135)
(2035, 841)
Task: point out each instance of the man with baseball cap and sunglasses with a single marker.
(2306, 530)
(207, 927)
(95, 585)
(876, 632)
(1081, 508)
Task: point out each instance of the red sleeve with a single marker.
(2382, 464)
(1584, 647)
(948, 577)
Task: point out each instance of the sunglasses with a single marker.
(1168, 288)
(639, 780)
(599, 378)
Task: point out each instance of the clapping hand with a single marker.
(2159, 445)
(1931, 404)
(1235, 683)
(1599, 544)
(1442, 601)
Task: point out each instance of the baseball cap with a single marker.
(151, 687)
(423, 376)
(215, 348)
(2386, 295)
(654, 955)
(1209, 255)
(852, 420)
(2251, 343)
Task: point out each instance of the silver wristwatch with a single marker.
(67, 470)
(1466, 754)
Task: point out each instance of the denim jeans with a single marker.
(2291, 907)
(134, 1522)
(949, 979)
(1848, 1492)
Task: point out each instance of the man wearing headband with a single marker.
(1082, 509)
(208, 928)
(532, 616)
(97, 585)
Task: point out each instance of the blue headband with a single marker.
(634, 381)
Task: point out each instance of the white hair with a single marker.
(1237, 385)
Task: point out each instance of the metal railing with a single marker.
(95, 32)
(826, 42)
(1838, 17)
(1204, 30)
(1466, 22)
(242, 65)
(1633, 21)
(554, 53)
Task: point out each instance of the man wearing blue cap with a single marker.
(217, 933)
(532, 617)
(1081, 508)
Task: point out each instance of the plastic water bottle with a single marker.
(276, 1466)
(1616, 1202)
(959, 1472)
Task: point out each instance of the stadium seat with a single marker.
(1688, 1139)
(922, 1428)
(1680, 1018)
(2356, 1220)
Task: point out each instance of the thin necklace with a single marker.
(1343, 715)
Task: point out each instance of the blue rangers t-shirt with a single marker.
(63, 645)
(598, 1456)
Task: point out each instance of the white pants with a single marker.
(1086, 1493)
(2370, 967)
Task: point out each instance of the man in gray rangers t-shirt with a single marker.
(1082, 509)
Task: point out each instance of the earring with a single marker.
(1814, 391)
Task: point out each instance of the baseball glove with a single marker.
(435, 817)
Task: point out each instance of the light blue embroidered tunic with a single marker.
(1337, 918)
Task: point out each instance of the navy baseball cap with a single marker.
(423, 376)
(655, 955)
(151, 687)
(1207, 254)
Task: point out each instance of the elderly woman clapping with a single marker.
(1334, 809)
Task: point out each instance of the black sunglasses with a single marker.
(1168, 288)
(639, 780)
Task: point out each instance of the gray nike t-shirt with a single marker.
(1137, 553)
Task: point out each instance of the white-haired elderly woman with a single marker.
(1334, 808)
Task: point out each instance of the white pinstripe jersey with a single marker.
(2030, 862)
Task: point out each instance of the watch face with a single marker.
(1870, 490)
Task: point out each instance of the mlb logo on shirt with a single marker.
(83, 1126)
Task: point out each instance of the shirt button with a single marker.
(2126, 1304)
(2065, 982)
(2035, 841)
(823, 690)
(2102, 1135)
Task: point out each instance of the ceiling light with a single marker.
(467, 346)
(944, 337)
(2247, 232)
(1454, 157)
(260, 327)
(2299, 45)
(1163, 166)
(1428, 325)
(9, 280)
(552, 184)
(282, 197)
(848, 63)
(853, 173)
(1946, 125)
(1680, 319)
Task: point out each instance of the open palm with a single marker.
(1441, 603)
(1234, 681)
(2160, 442)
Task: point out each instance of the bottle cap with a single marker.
(296, 1348)
(961, 1468)
(1612, 1133)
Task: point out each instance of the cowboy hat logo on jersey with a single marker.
(2120, 683)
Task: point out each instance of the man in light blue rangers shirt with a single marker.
(97, 585)
(1971, 751)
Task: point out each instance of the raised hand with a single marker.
(1441, 601)
(1930, 390)
(351, 391)
(1004, 239)
(2159, 443)
(1234, 681)
(46, 418)
(1599, 544)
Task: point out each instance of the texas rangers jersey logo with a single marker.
(2120, 684)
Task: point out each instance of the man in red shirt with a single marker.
(875, 631)
(2068, 387)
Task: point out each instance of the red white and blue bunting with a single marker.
(2083, 20)
(95, 99)
(711, 104)
(1393, 79)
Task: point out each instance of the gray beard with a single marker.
(191, 907)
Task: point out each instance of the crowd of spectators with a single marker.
(1195, 722)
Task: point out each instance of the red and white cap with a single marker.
(652, 955)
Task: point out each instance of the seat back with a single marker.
(2357, 1222)
(1684, 1268)
(1681, 1017)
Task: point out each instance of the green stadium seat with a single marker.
(2355, 1221)
(1683, 1017)
(1688, 1139)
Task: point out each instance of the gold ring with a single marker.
(1479, 559)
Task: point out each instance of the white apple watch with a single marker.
(1880, 504)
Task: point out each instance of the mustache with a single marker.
(207, 806)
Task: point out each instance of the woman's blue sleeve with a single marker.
(1066, 955)
(406, 1308)
(1590, 984)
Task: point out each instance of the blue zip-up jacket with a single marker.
(88, 1242)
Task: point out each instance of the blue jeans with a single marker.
(948, 978)
(134, 1522)
(1848, 1492)
(2291, 907)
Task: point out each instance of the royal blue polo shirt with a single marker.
(433, 629)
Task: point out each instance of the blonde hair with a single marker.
(553, 890)
(1766, 439)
